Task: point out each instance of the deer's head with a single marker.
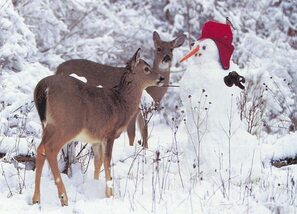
(164, 51)
(142, 73)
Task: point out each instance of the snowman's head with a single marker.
(203, 50)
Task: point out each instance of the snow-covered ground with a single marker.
(231, 174)
(143, 185)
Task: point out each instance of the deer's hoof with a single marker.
(108, 189)
(63, 204)
(63, 199)
(36, 199)
(96, 177)
(108, 192)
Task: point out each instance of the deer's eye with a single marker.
(147, 70)
(159, 49)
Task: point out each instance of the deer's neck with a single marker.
(130, 95)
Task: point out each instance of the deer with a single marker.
(107, 76)
(70, 109)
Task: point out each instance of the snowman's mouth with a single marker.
(193, 52)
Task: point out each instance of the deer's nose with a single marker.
(160, 82)
(167, 58)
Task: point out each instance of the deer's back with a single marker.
(76, 107)
(95, 73)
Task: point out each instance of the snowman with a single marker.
(210, 88)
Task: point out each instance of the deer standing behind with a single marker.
(72, 110)
(107, 76)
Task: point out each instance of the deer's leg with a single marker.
(40, 158)
(98, 159)
(52, 149)
(107, 159)
(131, 130)
(143, 130)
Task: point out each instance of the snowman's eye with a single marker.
(203, 47)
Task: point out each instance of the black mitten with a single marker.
(234, 78)
(228, 81)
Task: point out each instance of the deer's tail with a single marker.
(40, 97)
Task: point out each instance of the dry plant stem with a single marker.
(21, 181)
(135, 156)
(252, 105)
(167, 173)
(284, 115)
(24, 179)
(219, 187)
(153, 189)
(178, 162)
(173, 152)
(283, 95)
(230, 119)
(3, 173)
(156, 173)
(199, 120)
(136, 181)
(88, 163)
(229, 134)
(191, 201)
(147, 114)
(284, 118)
(166, 168)
(250, 188)
(198, 133)
(174, 143)
(221, 157)
(77, 156)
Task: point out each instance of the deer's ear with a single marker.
(134, 60)
(156, 39)
(179, 41)
(137, 55)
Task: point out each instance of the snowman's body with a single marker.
(206, 73)
(211, 124)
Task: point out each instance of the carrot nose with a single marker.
(191, 53)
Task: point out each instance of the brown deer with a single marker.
(70, 110)
(107, 76)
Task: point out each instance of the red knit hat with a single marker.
(222, 35)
